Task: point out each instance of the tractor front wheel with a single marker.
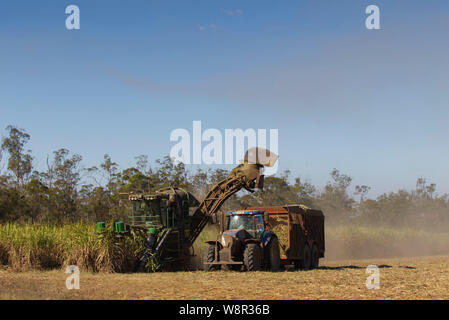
(252, 257)
(209, 256)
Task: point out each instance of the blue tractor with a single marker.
(245, 242)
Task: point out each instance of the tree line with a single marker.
(66, 192)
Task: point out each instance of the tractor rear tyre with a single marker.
(274, 255)
(315, 258)
(252, 257)
(209, 256)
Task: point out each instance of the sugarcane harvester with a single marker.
(173, 218)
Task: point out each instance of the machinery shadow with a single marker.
(351, 267)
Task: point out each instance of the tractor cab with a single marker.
(251, 221)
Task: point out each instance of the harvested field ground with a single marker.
(407, 278)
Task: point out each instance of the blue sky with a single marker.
(372, 103)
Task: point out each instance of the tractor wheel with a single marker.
(315, 258)
(252, 257)
(209, 256)
(274, 255)
(304, 263)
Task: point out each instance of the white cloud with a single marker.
(211, 26)
(232, 13)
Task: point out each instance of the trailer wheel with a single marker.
(209, 256)
(315, 258)
(252, 257)
(274, 255)
(304, 263)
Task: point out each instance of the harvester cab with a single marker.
(166, 208)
